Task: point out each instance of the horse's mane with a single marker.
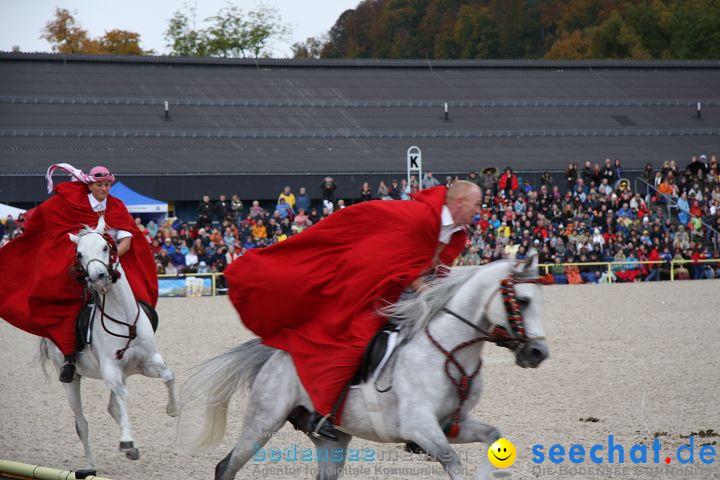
(414, 313)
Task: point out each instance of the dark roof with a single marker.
(348, 116)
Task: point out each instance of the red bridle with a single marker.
(79, 271)
(497, 335)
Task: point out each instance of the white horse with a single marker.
(432, 374)
(109, 357)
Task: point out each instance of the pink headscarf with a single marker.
(97, 174)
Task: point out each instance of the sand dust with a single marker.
(631, 360)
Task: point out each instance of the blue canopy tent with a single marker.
(139, 205)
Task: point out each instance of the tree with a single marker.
(185, 41)
(695, 32)
(122, 42)
(67, 36)
(230, 33)
(310, 48)
(575, 29)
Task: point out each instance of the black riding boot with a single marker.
(319, 426)
(67, 374)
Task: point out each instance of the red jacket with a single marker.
(38, 293)
(316, 295)
(513, 182)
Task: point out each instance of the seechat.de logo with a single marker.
(616, 453)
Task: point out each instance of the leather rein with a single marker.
(497, 334)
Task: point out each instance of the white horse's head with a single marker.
(96, 258)
(501, 301)
(525, 321)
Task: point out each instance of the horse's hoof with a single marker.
(172, 411)
(124, 446)
(133, 454)
(88, 472)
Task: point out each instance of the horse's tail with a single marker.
(44, 356)
(211, 386)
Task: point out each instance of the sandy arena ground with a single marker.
(631, 360)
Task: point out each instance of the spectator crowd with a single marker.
(594, 216)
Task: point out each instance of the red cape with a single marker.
(38, 293)
(316, 295)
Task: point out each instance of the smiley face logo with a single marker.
(502, 453)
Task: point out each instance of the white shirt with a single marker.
(447, 226)
(97, 206)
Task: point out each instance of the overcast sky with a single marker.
(21, 21)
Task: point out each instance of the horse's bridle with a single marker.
(80, 271)
(81, 275)
(497, 334)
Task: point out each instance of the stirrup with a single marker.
(322, 427)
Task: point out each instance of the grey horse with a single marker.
(468, 307)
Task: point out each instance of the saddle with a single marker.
(83, 325)
(376, 354)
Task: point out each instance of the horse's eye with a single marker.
(523, 301)
(105, 248)
(79, 255)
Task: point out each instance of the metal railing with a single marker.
(608, 266)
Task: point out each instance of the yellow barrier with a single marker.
(24, 471)
(610, 265)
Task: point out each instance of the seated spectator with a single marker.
(394, 190)
(191, 261)
(558, 271)
(203, 268)
(405, 190)
(256, 210)
(259, 231)
(681, 271)
(383, 192)
(573, 275)
(284, 209)
(229, 237)
(301, 220)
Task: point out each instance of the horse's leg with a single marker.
(473, 430)
(72, 391)
(424, 430)
(114, 408)
(271, 400)
(157, 368)
(113, 377)
(329, 469)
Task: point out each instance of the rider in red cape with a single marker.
(317, 294)
(39, 294)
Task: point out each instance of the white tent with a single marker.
(6, 210)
